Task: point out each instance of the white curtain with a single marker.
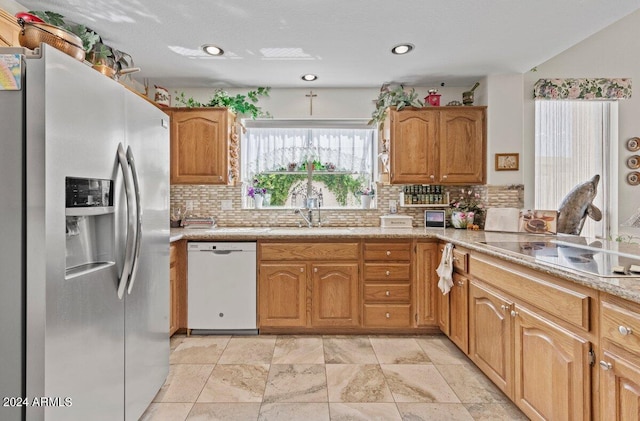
(272, 149)
(572, 144)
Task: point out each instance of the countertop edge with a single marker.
(627, 288)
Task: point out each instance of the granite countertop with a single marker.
(625, 287)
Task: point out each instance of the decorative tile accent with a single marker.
(207, 201)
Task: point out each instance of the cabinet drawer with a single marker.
(387, 293)
(460, 260)
(621, 326)
(387, 251)
(309, 251)
(546, 293)
(387, 315)
(387, 271)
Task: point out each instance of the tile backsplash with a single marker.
(206, 200)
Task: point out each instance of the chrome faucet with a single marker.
(312, 203)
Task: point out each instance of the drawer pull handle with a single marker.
(388, 253)
(388, 294)
(387, 273)
(301, 270)
(388, 315)
(624, 331)
(514, 313)
(605, 365)
(315, 270)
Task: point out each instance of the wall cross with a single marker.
(311, 95)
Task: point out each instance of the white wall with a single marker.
(330, 103)
(615, 53)
(504, 126)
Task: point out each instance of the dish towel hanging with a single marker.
(445, 269)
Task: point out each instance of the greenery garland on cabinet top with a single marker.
(393, 97)
(239, 104)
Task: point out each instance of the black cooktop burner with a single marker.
(600, 262)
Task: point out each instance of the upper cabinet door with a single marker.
(462, 146)
(413, 154)
(199, 145)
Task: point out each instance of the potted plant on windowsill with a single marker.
(366, 195)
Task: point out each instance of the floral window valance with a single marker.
(598, 88)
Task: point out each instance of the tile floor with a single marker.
(237, 378)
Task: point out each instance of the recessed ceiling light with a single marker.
(212, 50)
(402, 49)
(309, 77)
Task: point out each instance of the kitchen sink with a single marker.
(239, 230)
(312, 231)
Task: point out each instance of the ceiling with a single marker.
(346, 43)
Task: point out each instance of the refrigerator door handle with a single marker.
(131, 224)
(138, 241)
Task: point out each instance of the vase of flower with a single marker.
(461, 219)
(365, 201)
(465, 208)
(258, 200)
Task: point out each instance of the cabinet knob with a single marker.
(387, 293)
(301, 270)
(433, 177)
(444, 177)
(388, 252)
(461, 283)
(605, 365)
(503, 307)
(387, 273)
(624, 331)
(514, 313)
(388, 315)
(315, 270)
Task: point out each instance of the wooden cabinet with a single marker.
(490, 334)
(453, 312)
(437, 145)
(459, 312)
(9, 30)
(282, 294)
(426, 284)
(200, 145)
(308, 285)
(552, 372)
(620, 361)
(177, 286)
(387, 285)
(334, 294)
(619, 388)
(531, 334)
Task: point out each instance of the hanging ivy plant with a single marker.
(239, 104)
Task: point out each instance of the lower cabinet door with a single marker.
(619, 389)
(334, 299)
(552, 373)
(282, 294)
(490, 335)
(459, 312)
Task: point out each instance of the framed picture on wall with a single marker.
(507, 161)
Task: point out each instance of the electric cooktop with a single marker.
(575, 253)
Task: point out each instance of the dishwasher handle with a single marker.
(221, 251)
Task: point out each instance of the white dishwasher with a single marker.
(222, 287)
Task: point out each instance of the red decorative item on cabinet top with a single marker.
(433, 98)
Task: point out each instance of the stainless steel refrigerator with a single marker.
(84, 242)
